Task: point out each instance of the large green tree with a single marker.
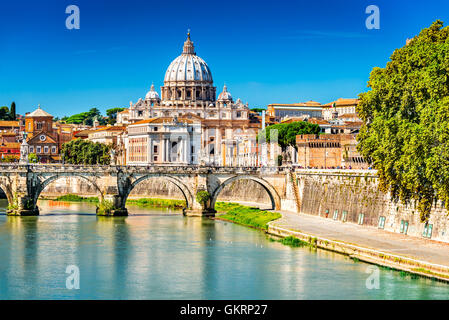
(287, 132)
(86, 152)
(405, 134)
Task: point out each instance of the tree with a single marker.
(287, 132)
(258, 110)
(4, 113)
(86, 152)
(12, 111)
(406, 121)
(85, 117)
(112, 114)
(202, 197)
(32, 158)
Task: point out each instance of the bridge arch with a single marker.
(43, 184)
(272, 193)
(7, 190)
(177, 182)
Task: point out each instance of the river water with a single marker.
(159, 254)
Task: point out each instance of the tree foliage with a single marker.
(5, 114)
(258, 110)
(202, 197)
(85, 117)
(86, 152)
(12, 111)
(287, 132)
(32, 158)
(112, 114)
(405, 134)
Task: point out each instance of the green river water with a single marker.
(159, 254)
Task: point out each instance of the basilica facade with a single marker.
(213, 130)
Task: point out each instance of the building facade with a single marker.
(328, 151)
(41, 137)
(307, 109)
(341, 108)
(164, 140)
(227, 129)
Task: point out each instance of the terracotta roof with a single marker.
(5, 123)
(349, 115)
(342, 102)
(318, 121)
(8, 134)
(12, 145)
(110, 128)
(302, 104)
(124, 111)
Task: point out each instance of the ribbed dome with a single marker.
(225, 95)
(152, 94)
(188, 66)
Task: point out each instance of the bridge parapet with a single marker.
(114, 183)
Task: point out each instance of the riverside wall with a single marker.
(345, 193)
(324, 193)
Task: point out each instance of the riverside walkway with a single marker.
(376, 240)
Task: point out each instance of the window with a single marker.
(155, 158)
(38, 149)
(335, 215)
(427, 230)
(31, 149)
(381, 222)
(192, 150)
(361, 218)
(154, 149)
(53, 149)
(155, 128)
(344, 218)
(45, 149)
(239, 114)
(404, 227)
(38, 125)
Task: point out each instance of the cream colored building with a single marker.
(341, 108)
(107, 135)
(227, 129)
(164, 140)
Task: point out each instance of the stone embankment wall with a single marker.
(352, 194)
(242, 190)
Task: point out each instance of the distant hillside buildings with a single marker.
(188, 124)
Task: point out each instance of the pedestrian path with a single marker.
(368, 237)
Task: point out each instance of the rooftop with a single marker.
(38, 113)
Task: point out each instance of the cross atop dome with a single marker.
(188, 45)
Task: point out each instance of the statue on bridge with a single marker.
(24, 150)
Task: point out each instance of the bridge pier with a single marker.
(22, 206)
(197, 210)
(111, 206)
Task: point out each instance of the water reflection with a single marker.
(159, 254)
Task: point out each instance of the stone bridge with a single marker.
(23, 184)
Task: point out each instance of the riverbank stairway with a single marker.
(294, 181)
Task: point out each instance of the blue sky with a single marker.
(266, 52)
